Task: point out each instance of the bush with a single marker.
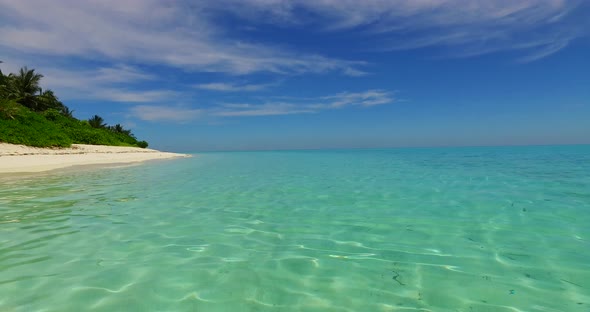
(52, 114)
(28, 128)
(9, 109)
(45, 121)
(19, 125)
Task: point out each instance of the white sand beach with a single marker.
(26, 159)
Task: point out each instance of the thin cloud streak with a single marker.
(229, 87)
(463, 27)
(368, 98)
(114, 84)
(295, 106)
(185, 36)
(173, 34)
(267, 109)
(310, 105)
(165, 113)
(133, 96)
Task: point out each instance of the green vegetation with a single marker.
(32, 116)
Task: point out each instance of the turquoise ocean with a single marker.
(444, 229)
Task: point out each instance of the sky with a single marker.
(306, 74)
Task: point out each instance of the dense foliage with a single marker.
(35, 117)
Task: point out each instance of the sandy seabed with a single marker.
(26, 159)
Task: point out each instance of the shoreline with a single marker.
(15, 159)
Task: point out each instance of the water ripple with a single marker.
(391, 230)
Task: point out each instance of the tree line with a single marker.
(24, 89)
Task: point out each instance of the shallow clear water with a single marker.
(465, 229)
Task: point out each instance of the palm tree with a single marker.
(47, 99)
(24, 86)
(119, 129)
(67, 112)
(3, 85)
(27, 81)
(96, 122)
(1, 75)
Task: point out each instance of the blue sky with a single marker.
(280, 74)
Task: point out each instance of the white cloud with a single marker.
(175, 34)
(267, 109)
(73, 78)
(165, 113)
(538, 28)
(230, 87)
(104, 83)
(287, 107)
(353, 72)
(368, 98)
(546, 50)
(120, 73)
(63, 34)
(307, 105)
(132, 96)
(185, 34)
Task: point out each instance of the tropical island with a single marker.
(32, 116)
(38, 132)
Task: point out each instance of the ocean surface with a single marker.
(443, 229)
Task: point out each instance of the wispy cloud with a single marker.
(165, 113)
(74, 78)
(273, 108)
(266, 109)
(545, 50)
(307, 105)
(187, 36)
(463, 27)
(367, 98)
(120, 73)
(134, 96)
(176, 34)
(104, 83)
(96, 49)
(230, 87)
